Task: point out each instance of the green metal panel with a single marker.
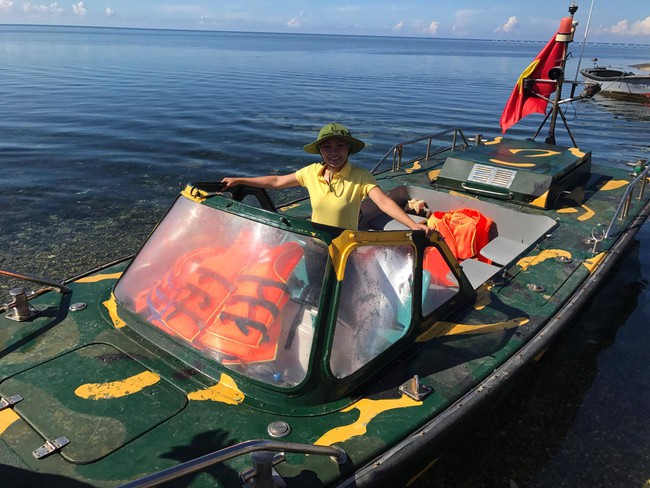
(96, 396)
(521, 170)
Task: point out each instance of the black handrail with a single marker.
(338, 455)
(396, 150)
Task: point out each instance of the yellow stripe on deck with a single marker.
(111, 306)
(7, 417)
(99, 277)
(368, 410)
(592, 263)
(226, 391)
(117, 389)
(614, 185)
(450, 328)
(542, 256)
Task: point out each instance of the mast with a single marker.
(564, 36)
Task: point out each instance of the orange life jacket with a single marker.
(246, 328)
(212, 298)
(435, 264)
(466, 231)
(193, 291)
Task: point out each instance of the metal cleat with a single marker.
(414, 389)
(19, 308)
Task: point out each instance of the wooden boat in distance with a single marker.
(619, 83)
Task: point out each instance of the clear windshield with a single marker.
(236, 290)
(375, 305)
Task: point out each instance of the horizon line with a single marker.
(508, 41)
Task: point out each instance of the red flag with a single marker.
(524, 102)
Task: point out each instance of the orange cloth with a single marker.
(466, 231)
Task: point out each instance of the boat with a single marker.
(619, 83)
(245, 345)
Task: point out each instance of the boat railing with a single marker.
(262, 454)
(395, 153)
(57, 285)
(19, 309)
(623, 208)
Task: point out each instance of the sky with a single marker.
(626, 21)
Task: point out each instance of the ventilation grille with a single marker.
(490, 175)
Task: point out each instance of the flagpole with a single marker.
(564, 36)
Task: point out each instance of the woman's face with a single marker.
(334, 152)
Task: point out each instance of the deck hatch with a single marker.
(490, 175)
(95, 397)
(528, 172)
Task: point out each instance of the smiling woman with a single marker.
(336, 187)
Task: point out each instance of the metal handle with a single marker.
(480, 191)
(336, 453)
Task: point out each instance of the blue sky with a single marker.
(612, 21)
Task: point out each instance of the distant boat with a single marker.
(619, 83)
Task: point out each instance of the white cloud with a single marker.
(464, 18)
(432, 30)
(109, 12)
(638, 28)
(511, 24)
(416, 27)
(51, 8)
(79, 9)
(6, 4)
(295, 23)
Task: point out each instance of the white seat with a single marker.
(502, 250)
(478, 272)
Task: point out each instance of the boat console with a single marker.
(523, 171)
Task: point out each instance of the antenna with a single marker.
(584, 39)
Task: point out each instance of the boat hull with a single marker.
(101, 366)
(619, 83)
(411, 456)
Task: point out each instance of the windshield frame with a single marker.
(318, 384)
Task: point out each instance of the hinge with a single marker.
(9, 401)
(50, 447)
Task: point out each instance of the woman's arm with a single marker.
(272, 182)
(389, 207)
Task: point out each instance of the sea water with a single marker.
(99, 129)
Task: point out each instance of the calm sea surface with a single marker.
(99, 127)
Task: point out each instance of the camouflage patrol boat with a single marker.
(244, 345)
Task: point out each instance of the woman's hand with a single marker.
(424, 227)
(273, 182)
(229, 182)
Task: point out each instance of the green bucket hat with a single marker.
(335, 130)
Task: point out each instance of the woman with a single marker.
(336, 187)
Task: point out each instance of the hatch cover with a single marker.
(96, 396)
(524, 171)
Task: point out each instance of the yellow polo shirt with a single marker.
(337, 203)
